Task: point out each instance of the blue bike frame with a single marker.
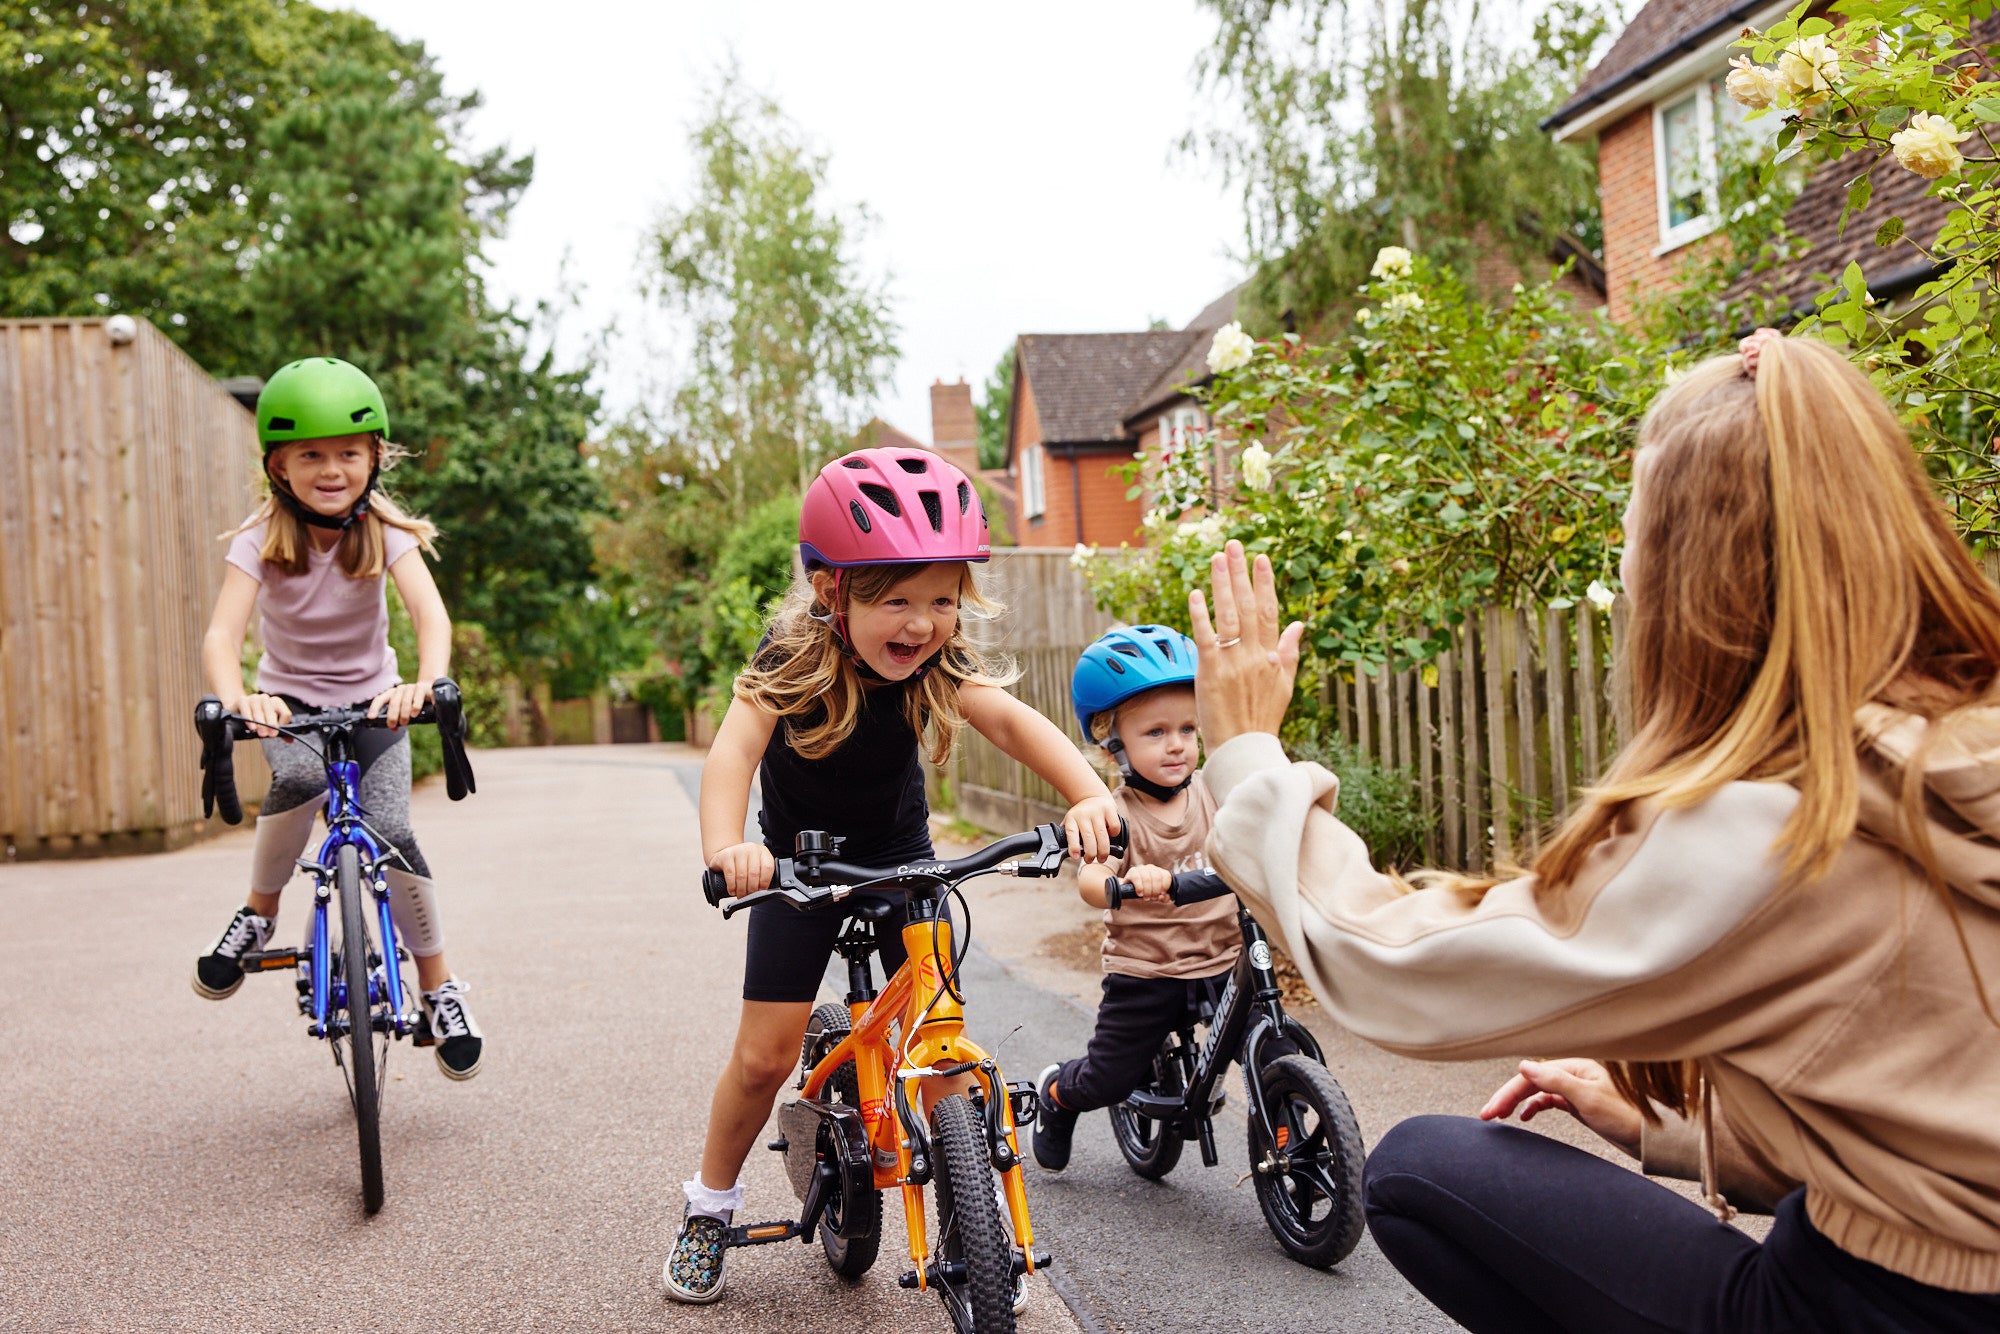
(346, 827)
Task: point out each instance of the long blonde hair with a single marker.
(803, 677)
(1789, 563)
(362, 548)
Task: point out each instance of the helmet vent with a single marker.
(1115, 665)
(859, 465)
(1129, 649)
(882, 496)
(933, 509)
(964, 498)
(281, 424)
(1166, 647)
(860, 515)
(908, 464)
(360, 415)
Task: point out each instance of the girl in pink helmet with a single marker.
(864, 671)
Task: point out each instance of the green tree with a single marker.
(790, 340)
(1349, 127)
(266, 180)
(990, 411)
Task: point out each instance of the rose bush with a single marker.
(1446, 454)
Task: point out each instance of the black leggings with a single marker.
(1508, 1230)
(1133, 1019)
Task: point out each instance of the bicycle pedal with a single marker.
(268, 961)
(761, 1234)
(943, 1271)
(1021, 1262)
(779, 1145)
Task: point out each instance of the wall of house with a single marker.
(1108, 517)
(1628, 192)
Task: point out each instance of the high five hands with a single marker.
(1246, 665)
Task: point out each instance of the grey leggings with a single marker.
(298, 776)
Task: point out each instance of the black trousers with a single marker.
(1133, 1019)
(1507, 1230)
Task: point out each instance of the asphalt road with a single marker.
(171, 1163)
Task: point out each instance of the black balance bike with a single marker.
(1305, 1146)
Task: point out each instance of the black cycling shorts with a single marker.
(789, 947)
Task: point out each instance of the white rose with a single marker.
(1809, 66)
(1255, 467)
(1753, 85)
(1929, 147)
(1080, 557)
(1211, 531)
(1232, 348)
(1600, 596)
(1403, 301)
(1391, 261)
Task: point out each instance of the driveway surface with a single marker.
(173, 1163)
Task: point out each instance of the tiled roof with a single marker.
(1827, 249)
(878, 434)
(1085, 384)
(1192, 366)
(1661, 31)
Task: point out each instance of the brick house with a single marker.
(1083, 407)
(1655, 105)
(955, 435)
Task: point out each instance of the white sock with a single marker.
(720, 1205)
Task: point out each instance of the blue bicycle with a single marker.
(351, 990)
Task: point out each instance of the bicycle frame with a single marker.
(919, 1001)
(347, 826)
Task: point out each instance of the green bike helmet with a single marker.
(316, 398)
(313, 399)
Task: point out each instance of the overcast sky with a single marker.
(1019, 158)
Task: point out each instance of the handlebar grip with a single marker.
(714, 887)
(1198, 887)
(1117, 892)
(227, 803)
(448, 706)
(218, 765)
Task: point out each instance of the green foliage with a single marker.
(1377, 801)
(991, 412)
(1906, 89)
(1350, 127)
(473, 666)
(266, 180)
(1443, 456)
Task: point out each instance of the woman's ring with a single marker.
(1229, 643)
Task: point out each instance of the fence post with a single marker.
(1499, 659)
(1555, 681)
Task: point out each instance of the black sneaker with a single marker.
(458, 1039)
(217, 973)
(1053, 1124)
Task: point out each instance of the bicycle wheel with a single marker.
(975, 1260)
(354, 1050)
(1307, 1165)
(850, 1256)
(1152, 1147)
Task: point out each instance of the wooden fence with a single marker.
(1498, 733)
(119, 466)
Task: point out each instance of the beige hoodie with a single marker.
(1839, 1022)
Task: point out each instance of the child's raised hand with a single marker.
(265, 712)
(1090, 825)
(1152, 882)
(748, 867)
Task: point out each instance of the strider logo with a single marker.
(1260, 955)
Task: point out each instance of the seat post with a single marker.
(856, 942)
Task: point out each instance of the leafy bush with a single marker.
(1443, 455)
(1376, 801)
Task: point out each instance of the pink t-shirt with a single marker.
(326, 635)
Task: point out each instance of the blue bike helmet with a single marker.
(1128, 662)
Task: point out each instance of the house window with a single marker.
(1688, 132)
(1177, 426)
(1033, 503)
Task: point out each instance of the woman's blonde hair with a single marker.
(362, 547)
(1789, 563)
(803, 677)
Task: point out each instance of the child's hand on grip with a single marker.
(748, 867)
(1152, 882)
(1090, 825)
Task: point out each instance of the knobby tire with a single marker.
(853, 1255)
(1313, 1207)
(362, 1087)
(968, 1223)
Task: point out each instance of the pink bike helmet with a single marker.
(891, 507)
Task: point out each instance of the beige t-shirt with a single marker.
(1159, 939)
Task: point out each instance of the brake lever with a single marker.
(803, 896)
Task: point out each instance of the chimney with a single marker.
(954, 430)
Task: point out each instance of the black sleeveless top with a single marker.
(870, 791)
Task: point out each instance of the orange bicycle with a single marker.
(855, 1130)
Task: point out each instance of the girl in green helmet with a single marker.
(316, 551)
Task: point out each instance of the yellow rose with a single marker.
(1809, 66)
(1391, 261)
(1929, 147)
(1753, 85)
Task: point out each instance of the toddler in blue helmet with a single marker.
(1133, 691)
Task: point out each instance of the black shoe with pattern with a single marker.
(693, 1271)
(218, 973)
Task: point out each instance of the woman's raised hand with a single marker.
(1580, 1087)
(1246, 664)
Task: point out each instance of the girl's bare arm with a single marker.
(725, 798)
(222, 652)
(1025, 735)
(433, 625)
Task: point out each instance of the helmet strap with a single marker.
(359, 510)
(1157, 791)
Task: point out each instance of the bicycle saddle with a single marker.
(872, 910)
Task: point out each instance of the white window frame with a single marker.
(1034, 500)
(1673, 236)
(1176, 423)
